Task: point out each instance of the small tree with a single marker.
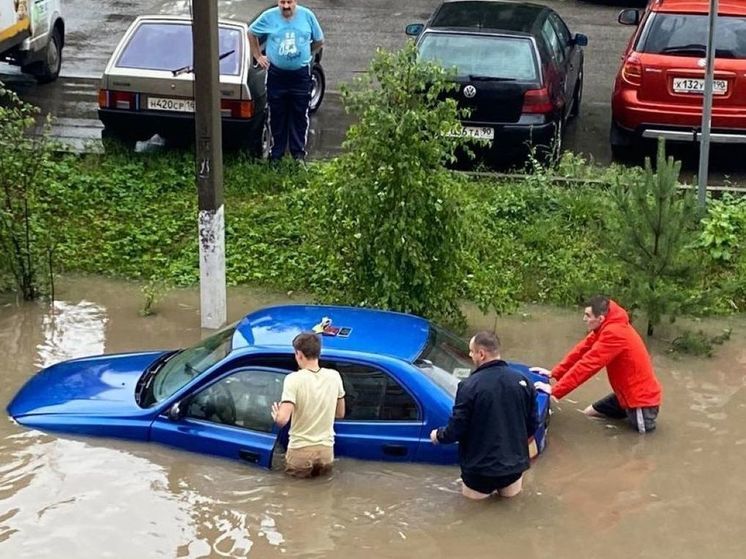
(650, 226)
(391, 204)
(25, 232)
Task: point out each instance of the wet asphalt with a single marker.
(354, 29)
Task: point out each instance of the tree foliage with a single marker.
(26, 231)
(391, 202)
(650, 229)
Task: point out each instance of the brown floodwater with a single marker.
(598, 490)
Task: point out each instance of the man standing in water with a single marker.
(313, 397)
(492, 419)
(613, 343)
(294, 36)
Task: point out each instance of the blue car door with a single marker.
(229, 417)
(383, 421)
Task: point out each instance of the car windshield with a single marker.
(445, 359)
(686, 35)
(188, 363)
(167, 46)
(510, 58)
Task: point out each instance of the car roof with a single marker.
(488, 15)
(150, 18)
(725, 7)
(398, 335)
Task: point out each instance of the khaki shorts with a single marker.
(309, 461)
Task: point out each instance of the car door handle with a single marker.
(394, 450)
(249, 456)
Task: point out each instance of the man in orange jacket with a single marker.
(613, 343)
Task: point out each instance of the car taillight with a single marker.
(108, 99)
(537, 101)
(236, 109)
(632, 71)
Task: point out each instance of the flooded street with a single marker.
(598, 490)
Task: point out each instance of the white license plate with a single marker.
(478, 132)
(695, 85)
(164, 104)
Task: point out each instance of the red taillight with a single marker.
(108, 99)
(537, 101)
(632, 71)
(236, 109)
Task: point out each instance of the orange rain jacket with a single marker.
(618, 347)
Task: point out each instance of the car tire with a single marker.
(318, 87)
(48, 69)
(622, 144)
(261, 146)
(578, 95)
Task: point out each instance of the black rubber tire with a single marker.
(623, 148)
(260, 147)
(49, 69)
(577, 97)
(318, 87)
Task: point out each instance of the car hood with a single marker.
(91, 386)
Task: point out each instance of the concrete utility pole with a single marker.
(704, 145)
(209, 159)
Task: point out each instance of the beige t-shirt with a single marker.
(315, 396)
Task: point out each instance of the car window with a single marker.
(445, 359)
(686, 35)
(553, 41)
(243, 399)
(373, 395)
(188, 363)
(481, 55)
(167, 46)
(561, 29)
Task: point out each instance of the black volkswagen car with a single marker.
(519, 70)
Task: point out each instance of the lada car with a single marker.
(400, 374)
(658, 92)
(518, 67)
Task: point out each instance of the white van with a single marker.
(32, 34)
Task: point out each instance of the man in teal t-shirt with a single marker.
(293, 36)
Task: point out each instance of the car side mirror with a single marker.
(175, 412)
(580, 39)
(629, 17)
(414, 29)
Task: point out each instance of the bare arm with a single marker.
(340, 411)
(281, 413)
(316, 46)
(256, 51)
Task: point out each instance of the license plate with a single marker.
(165, 104)
(695, 85)
(478, 132)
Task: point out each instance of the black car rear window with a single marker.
(511, 58)
(686, 35)
(168, 46)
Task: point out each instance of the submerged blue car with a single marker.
(400, 374)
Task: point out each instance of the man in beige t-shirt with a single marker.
(313, 397)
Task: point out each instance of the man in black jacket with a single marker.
(492, 418)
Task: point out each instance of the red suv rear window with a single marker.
(686, 35)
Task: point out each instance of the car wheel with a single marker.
(318, 87)
(622, 144)
(577, 96)
(49, 69)
(261, 146)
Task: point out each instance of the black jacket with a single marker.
(493, 416)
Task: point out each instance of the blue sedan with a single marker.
(400, 374)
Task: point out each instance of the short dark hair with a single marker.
(308, 344)
(599, 305)
(488, 341)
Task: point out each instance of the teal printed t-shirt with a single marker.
(288, 40)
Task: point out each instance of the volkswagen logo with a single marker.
(701, 62)
(470, 91)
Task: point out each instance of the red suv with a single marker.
(659, 88)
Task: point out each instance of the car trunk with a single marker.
(493, 101)
(680, 80)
